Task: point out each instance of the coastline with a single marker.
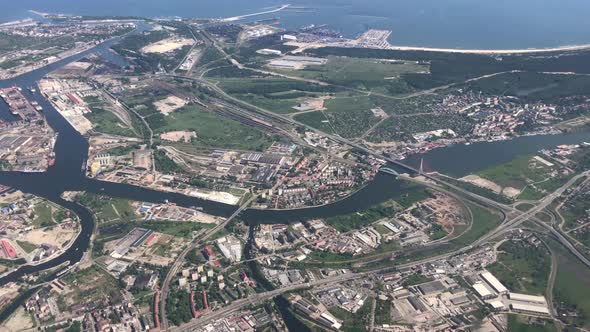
(492, 51)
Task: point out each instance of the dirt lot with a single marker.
(312, 104)
(167, 45)
(178, 136)
(19, 321)
(56, 236)
(481, 182)
(169, 104)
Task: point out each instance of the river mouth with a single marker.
(72, 150)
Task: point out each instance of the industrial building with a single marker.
(494, 282)
(296, 62)
(230, 247)
(268, 51)
(482, 290)
(529, 308)
(528, 298)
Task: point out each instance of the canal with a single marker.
(72, 150)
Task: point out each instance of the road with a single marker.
(504, 227)
(180, 260)
(519, 216)
(261, 297)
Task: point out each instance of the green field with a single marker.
(353, 322)
(213, 130)
(92, 286)
(283, 105)
(524, 172)
(522, 267)
(43, 215)
(416, 279)
(484, 221)
(26, 246)
(571, 291)
(383, 312)
(107, 123)
(408, 195)
(316, 119)
(382, 76)
(108, 209)
(525, 324)
(351, 116)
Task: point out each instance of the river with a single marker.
(71, 151)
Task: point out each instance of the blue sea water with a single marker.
(484, 24)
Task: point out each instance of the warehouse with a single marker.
(529, 308)
(482, 291)
(497, 305)
(527, 298)
(494, 282)
(431, 287)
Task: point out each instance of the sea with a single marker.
(465, 24)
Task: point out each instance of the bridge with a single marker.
(388, 170)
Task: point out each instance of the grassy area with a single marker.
(383, 312)
(572, 299)
(353, 322)
(368, 74)
(277, 105)
(174, 228)
(108, 209)
(446, 68)
(528, 324)
(316, 119)
(484, 221)
(416, 279)
(43, 215)
(517, 173)
(522, 267)
(485, 192)
(92, 286)
(526, 173)
(407, 196)
(26, 246)
(213, 130)
(437, 232)
(106, 122)
(351, 116)
(164, 164)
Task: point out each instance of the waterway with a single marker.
(72, 149)
(482, 24)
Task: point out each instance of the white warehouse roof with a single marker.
(528, 298)
(497, 304)
(495, 283)
(482, 290)
(519, 306)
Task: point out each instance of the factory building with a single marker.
(482, 290)
(494, 282)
